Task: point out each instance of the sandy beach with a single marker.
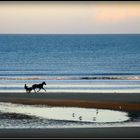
(116, 101)
(129, 102)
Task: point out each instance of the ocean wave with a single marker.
(21, 78)
(71, 78)
(112, 78)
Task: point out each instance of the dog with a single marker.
(39, 86)
(28, 89)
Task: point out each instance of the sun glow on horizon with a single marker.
(117, 13)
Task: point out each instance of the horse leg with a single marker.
(39, 90)
(44, 89)
(34, 90)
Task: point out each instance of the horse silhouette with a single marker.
(34, 87)
(39, 86)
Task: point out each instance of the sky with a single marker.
(69, 17)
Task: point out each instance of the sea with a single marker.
(83, 63)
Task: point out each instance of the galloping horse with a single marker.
(39, 86)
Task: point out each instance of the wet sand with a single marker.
(107, 132)
(116, 101)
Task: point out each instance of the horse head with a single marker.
(43, 83)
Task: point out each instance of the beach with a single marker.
(128, 102)
(115, 101)
(69, 70)
(117, 132)
(92, 84)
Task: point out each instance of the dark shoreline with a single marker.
(106, 132)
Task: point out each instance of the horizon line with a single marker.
(68, 33)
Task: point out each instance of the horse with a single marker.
(39, 86)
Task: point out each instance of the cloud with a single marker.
(117, 13)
